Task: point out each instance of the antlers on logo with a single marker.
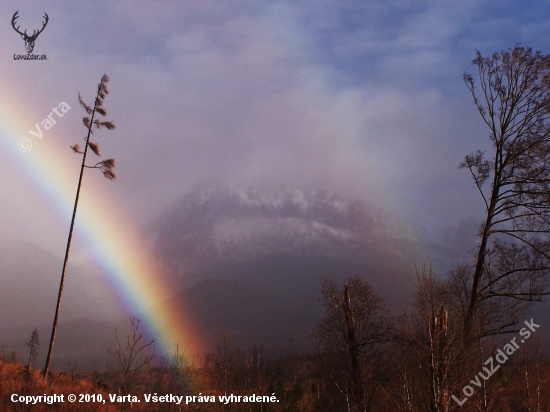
(29, 40)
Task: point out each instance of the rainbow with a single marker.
(130, 270)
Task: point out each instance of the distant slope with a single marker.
(252, 261)
(209, 228)
(81, 345)
(269, 300)
(29, 283)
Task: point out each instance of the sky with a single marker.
(364, 98)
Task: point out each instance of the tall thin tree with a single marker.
(512, 266)
(106, 166)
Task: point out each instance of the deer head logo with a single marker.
(29, 40)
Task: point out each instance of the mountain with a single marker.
(208, 228)
(248, 262)
(252, 261)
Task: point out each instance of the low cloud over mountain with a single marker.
(253, 260)
(209, 228)
(247, 262)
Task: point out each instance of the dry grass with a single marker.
(15, 379)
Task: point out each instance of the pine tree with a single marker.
(34, 345)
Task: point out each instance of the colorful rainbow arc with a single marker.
(130, 270)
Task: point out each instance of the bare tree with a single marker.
(34, 347)
(530, 388)
(182, 378)
(235, 373)
(180, 372)
(133, 356)
(350, 342)
(106, 166)
(513, 257)
(429, 358)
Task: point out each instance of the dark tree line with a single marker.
(440, 347)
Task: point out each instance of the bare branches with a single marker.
(515, 105)
(350, 340)
(480, 170)
(430, 355)
(106, 166)
(76, 148)
(87, 108)
(133, 356)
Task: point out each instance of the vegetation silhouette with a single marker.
(106, 166)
